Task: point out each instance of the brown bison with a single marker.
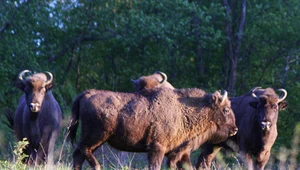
(38, 117)
(158, 79)
(181, 157)
(156, 121)
(256, 116)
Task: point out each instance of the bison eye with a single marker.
(226, 110)
(274, 106)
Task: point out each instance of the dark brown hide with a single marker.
(256, 120)
(158, 79)
(179, 157)
(156, 121)
(37, 118)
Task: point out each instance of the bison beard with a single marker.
(156, 121)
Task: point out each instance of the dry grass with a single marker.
(113, 159)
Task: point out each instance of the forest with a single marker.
(231, 45)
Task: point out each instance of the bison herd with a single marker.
(157, 118)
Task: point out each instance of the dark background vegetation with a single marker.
(225, 44)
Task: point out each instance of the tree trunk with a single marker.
(233, 44)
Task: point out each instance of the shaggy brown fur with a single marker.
(158, 79)
(181, 157)
(37, 118)
(156, 121)
(256, 120)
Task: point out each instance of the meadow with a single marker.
(112, 159)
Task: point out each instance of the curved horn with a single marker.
(163, 75)
(253, 90)
(282, 97)
(21, 74)
(51, 78)
(224, 97)
(134, 81)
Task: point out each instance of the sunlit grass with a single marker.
(115, 160)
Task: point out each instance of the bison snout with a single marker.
(265, 125)
(233, 132)
(34, 107)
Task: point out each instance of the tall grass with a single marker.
(112, 159)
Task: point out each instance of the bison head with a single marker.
(267, 105)
(147, 82)
(224, 116)
(35, 87)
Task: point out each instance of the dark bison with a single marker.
(256, 116)
(158, 79)
(38, 117)
(156, 121)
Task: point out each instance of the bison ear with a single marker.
(215, 98)
(21, 85)
(282, 105)
(254, 104)
(49, 86)
(136, 84)
(134, 81)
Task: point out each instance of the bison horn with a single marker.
(51, 78)
(282, 97)
(21, 74)
(224, 97)
(135, 81)
(163, 75)
(253, 90)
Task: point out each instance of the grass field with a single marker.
(112, 159)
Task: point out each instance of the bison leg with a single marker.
(171, 163)
(173, 159)
(262, 159)
(180, 160)
(185, 162)
(247, 158)
(45, 149)
(209, 152)
(78, 159)
(32, 158)
(42, 153)
(50, 147)
(155, 156)
(82, 153)
(26, 151)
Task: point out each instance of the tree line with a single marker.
(228, 44)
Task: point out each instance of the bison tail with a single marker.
(9, 114)
(72, 128)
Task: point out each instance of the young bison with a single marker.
(158, 79)
(156, 121)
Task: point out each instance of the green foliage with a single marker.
(104, 44)
(18, 152)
